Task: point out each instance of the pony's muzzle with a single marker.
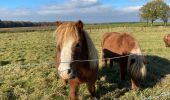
(67, 74)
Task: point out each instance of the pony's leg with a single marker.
(123, 70)
(105, 60)
(92, 89)
(111, 62)
(73, 90)
(135, 84)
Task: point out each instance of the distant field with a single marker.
(87, 26)
(27, 68)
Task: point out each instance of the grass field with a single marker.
(27, 68)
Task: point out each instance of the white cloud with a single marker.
(130, 9)
(5, 12)
(72, 4)
(100, 13)
(86, 10)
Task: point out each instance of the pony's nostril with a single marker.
(69, 71)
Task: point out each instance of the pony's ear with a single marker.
(79, 24)
(58, 23)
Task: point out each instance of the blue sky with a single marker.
(89, 11)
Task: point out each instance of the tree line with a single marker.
(156, 9)
(7, 24)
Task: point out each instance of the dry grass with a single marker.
(27, 70)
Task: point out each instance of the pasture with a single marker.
(27, 66)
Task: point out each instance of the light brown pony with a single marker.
(73, 43)
(167, 40)
(117, 45)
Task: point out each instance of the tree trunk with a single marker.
(165, 20)
(164, 23)
(147, 22)
(152, 22)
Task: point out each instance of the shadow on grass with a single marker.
(110, 82)
(157, 69)
(3, 63)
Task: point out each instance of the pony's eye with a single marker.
(77, 45)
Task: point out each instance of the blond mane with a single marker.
(92, 51)
(65, 32)
(68, 31)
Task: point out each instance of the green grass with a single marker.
(27, 69)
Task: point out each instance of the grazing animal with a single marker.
(167, 40)
(117, 45)
(73, 46)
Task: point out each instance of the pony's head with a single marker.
(69, 41)
(73, 43)
(137, 64)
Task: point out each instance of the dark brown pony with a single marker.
(167, 40)
(73, 46)
(118, 45)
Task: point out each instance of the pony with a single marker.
(167, 40)
(131, 61)
(73, 48)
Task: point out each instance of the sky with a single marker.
(89, 11)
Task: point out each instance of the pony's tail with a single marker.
(136, 66)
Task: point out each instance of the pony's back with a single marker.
(167, 40)
(119, 42)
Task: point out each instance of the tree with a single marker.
(148, 12)
(1, 23)
(163, 12)
(156, 9)
(144, 13)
